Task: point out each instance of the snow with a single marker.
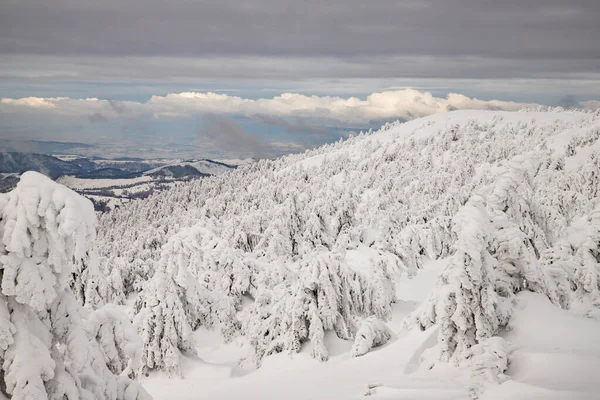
(214, 375)
(417, 289)
(81, 183)
(67, 157)
(538, 365)
(425, 127)
(317, 282)
(554, 349)
(555, 355)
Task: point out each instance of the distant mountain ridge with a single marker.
(107, 182)
(94, 167)
(53, 167)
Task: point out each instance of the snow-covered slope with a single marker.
(308, 254)
(110, 193)
(553, 357)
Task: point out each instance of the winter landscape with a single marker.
(171, 230)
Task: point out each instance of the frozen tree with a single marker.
(511, 193)
(586, 245)
(587, 272)
(518, 268)
(324, 295)
(162, 322)
(120, 344)
(560, 264)
(517, 240)
(591, 175)
(94, 288)
(465, 305)
(574, 261)
(46, 350)
(182, 295)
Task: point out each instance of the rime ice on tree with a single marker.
(49, 346)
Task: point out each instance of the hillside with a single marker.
(453, 256)
(312, 252)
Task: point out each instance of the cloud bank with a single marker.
(536, 51)
(500, 35)
(294, 107)
(207, 124)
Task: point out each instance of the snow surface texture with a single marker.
(303, 254)
(50, 347)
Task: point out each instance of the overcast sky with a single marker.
(525, 51)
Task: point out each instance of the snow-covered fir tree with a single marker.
(50, 347)
(465, 305)
(189, 289)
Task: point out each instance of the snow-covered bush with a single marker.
(487, 361)
(48, 349)
(372, 333)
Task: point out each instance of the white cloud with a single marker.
(404, 103)
(33, 102)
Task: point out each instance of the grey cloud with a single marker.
(292, 125)
(532, 33)
(228, 136)
(117, 106)
(97, 118)
(160, 69)
(569, 101)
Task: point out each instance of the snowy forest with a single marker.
(312, 253)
